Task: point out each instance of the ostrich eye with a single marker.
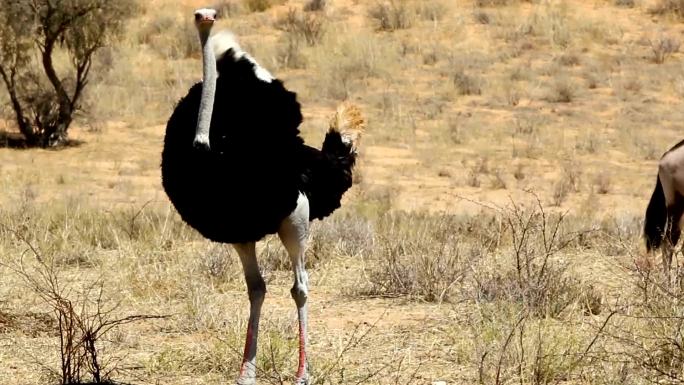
(197, 16)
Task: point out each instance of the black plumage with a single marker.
(249, 181)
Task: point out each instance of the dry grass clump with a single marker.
(466, 84)
(669, 7)
(170, 37)
(342, 235)
(392, 15)
(511, 346)
(261, 5)
(492, 3)
(663, 47)
(532, 276)
(347, 59)
(315, 5)
(309, 27)
(625, 3)
(419, 256)
(290, 53)
(84, 315)
(562, 90)
(228, 8)
(432, 10)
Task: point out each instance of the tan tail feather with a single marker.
(349, 122)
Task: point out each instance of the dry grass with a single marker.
(440, 266)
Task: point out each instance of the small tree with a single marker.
(31, 33)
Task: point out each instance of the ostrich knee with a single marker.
(300, 292)
(256, 291)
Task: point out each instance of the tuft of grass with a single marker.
(261, 5)
(315, 5)
(562, 90)
(290, 53)
(466, 84)
(512, 346)
(347, 60)
(663, 47)
(669, 7)
(228, 8)
(392, 15)
(308, 27)
(532, 276)
(432, 10)
(493, 3)
(418, 256)
(482, 17)
(625, 3)
(602, 183)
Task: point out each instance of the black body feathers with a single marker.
(249, 182)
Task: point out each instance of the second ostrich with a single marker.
(236, 169)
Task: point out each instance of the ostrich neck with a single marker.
(208, 90)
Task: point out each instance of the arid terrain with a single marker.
(493, 233)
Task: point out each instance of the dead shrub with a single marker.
(347, 60)
(625, 3)
(466, 84)
(663, 47)
(290, 54)
(261, 5)
(309, 27)
(432, 10)
(315, 5)
(392, 15)
(482, 17)
(669, 7)
(179, 41)
(417, 255)
(342, 235)
(532, 276)
(511, 346)
(562, 90)
(83, 318)
(492, 3)
(602, 183)
(228, 8)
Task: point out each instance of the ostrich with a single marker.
(236, 169)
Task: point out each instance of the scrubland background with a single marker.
(492, 235)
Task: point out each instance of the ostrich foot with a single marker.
(304, 380)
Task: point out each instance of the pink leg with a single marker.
(256, 289)
(294, 233)
(302, 375)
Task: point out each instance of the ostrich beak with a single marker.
(206, 20)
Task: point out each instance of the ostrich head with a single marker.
(204, 20)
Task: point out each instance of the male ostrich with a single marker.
(236, 169)
(664, 212)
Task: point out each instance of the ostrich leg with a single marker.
(293, 232)
(256, 289)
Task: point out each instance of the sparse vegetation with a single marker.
(562, 91)
(261, 5)
(315, 5)
(663, 47)
(308, 27)
(669, 7)
(442, 264)
(466, 84)
(392, 15)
